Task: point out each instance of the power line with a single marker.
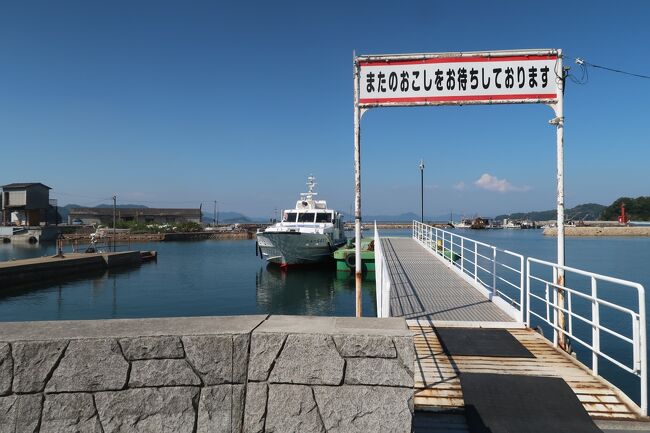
(583, 62)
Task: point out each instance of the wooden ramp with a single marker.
(437, 385)
(422, 287)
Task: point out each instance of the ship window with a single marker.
(289, 217)
(307, 217)
(322, 217)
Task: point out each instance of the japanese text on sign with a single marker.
(459, 80)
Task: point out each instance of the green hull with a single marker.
(446, 253)
(344, 258)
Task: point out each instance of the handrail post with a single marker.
(595, 332)
(555, 331)
(522, 290)
(570, 308)
(435, 247)
(462, 255)
(451, 248)
(527, 293)
(494, 271)
(475, 261)
(643, 351)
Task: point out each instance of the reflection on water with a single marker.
(24, 250)
(189, 279)
(314, 291)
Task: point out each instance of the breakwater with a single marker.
(600, 231)
(84, 238)
(25, 271)
(208, 374)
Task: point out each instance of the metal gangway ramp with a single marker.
(423, 287)
(438, 279)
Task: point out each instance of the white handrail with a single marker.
(551, 310)
(479, 263)
(382, 279)
(498, 272)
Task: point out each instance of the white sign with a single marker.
(466, 79)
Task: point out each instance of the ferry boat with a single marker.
(463, 224)
(307, 234)
(511, 224)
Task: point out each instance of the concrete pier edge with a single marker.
(208, 374)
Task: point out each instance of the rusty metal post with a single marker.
(357, 190)
(114, 210)
(559, 124)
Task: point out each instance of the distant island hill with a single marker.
(638, 209)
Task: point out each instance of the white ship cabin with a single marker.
(311, 213)
(308, 210)
(310, 216)
(315, 220)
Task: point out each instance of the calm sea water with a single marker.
(226, 278)
(189, 279)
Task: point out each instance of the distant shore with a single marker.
(600, 231)
(164, 237)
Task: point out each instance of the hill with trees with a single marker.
(638, 209)
(587, 211)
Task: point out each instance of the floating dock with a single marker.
(433, 293)
(26, 271)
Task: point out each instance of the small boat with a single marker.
(511, 224)
(446, 252)
(480, 223)
(345, 256)
(148, 256)
(463, 224)
(308, 234)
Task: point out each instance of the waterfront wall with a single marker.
(84, 238)
(208, 374)
(600, 231)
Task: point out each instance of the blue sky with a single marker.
(171, 103)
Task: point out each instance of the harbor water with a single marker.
(226, 278)
(200, 278)
(205, 278)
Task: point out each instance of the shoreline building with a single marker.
(104, 215)
(26, 204)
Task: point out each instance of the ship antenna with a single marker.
(310, 186)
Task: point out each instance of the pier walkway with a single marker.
(423, 287)
(430, 294)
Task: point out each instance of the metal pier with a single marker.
(440, 279)
(423, 287)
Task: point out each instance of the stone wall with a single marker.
(208, 374)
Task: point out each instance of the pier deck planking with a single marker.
(422, 287)
(437, 385)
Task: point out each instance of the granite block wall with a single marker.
(221, 374)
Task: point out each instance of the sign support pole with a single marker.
(506, 77)
(559, 124)
(357, 191)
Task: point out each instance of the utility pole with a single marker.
(422, 191)
(114, 213)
